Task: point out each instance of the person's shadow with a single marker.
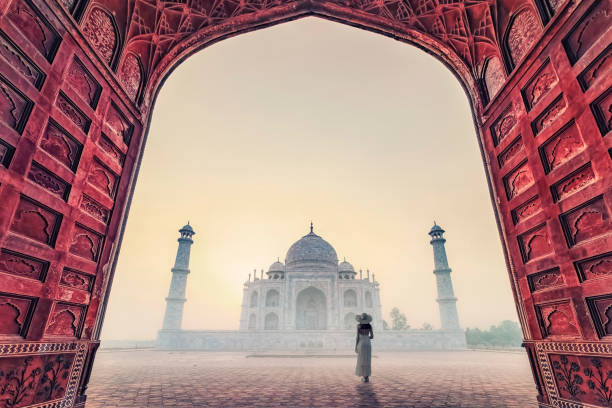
(367, 396)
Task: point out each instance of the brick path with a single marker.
(205, 379)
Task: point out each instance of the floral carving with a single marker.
(602, 108)
(75, 279)
(545, 279)
(599, 68)
(65, 320)
(557, 319)
(95, 209)
(21, 265)
(36, 222)
(540, 85)
(59, 144)
(591, 27)
(503, 125)
(523, 33)
(20, 62)
(14, 107)
(113, 151)
(582, 378)
(99, 29)
(518, 180)
(73, 113)
(535, 243)
(102, 178)
(49, 181)
(561, 147)
(586, 221)
(550, 114)
(595, 267)
(130, 75)
(86, 243)
(34, 27)
(573, 182)
(526, 210)
(510, 152)
(83, 83)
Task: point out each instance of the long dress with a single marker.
(364, 355)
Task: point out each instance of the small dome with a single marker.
(187, 231)
(311, 248)
(436, 229)
(187, 228)
(277, 267)
(345, 267)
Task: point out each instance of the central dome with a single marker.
(311, 248)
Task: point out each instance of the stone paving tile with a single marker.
(159, 379)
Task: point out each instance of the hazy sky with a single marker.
(254, 137)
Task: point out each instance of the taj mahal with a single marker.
(307, 303)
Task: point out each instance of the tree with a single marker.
(506, 334)
(427, 326)
(399, 320)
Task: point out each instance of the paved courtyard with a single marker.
(125, 379)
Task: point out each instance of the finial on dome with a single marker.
(311, 227)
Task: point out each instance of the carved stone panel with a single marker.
(15, 314)
(588, 30)
(113, 151)
(22, 265)
(582, 379)
(550, 278)
(535, 243)
(586, 221)
(59, 144)
(72, 112)
(526, 210)
(76, 279)
(599, 68)
(601, 311)
(95, 209)
(562, 146)
(49, 181)
(35, 27)
(549, 115)
(102, 178)
(86, 243)
(599, 266)
(602, 109)
(83, 83)
(494, 76)
(14, 106)
(557, 320)
(99, 29)
(34, 379)
(16, 58)
(573, 182)
(6, 153)
(504, 124)
(118, 123)
(130, 75)
(66, 320)
(523, 33)
(510, 152)
(518, 180)
(539, 85)
(36, 221)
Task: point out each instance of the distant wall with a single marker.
(328, 340)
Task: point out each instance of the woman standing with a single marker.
(363, 346)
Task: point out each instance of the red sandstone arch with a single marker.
(73, 120)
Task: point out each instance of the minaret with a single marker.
(446, 297)
(176, 297)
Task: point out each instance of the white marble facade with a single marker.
(311, 291)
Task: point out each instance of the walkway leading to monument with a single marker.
(208, 379)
